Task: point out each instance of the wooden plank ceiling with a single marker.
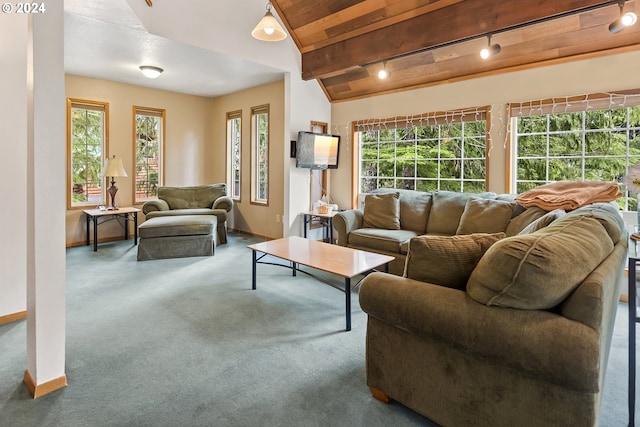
(425, 42)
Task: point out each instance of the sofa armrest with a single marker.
(345, 222)
(224, 202)
(154, 205)
(536, 342)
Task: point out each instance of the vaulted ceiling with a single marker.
(344, 43)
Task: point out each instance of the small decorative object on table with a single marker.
(325, 209)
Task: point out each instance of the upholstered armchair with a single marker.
(195, 200)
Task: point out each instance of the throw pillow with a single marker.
(538, 271)
(543, 221)
(485, 216)
(446, 260)
(382, 211)
(519, 222)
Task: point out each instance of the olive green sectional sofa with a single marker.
(497, 318)
(391, 218)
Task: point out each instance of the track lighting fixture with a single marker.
(383, 73)
(490, 50)
(625, 20)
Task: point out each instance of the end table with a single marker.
(128, 214)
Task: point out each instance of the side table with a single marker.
(325, 219)
(128, 213)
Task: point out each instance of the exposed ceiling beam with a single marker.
(461, 21)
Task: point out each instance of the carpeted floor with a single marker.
(186, 342)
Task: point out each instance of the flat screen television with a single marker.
(317, 150)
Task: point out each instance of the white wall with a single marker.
(13, 152)
(603, 74)
(305, 102)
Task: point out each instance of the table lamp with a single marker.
(113, 168)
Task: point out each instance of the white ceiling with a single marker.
(204, 46)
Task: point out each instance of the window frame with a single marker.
(151, 112)
(230, 169)
(256, 112)
(96, 106)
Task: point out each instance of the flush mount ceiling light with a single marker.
(383, 73)
(268, 29)
(150, 71)
(490, 50)
(625, 20)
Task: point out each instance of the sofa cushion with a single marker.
(446, 209)
(485, 216)
(447, 260)
(608, 214)
(181, 212)
(414, 208)
(185, 225)
(539, 270)
(379, 239)
(519, 222)
(382, 211)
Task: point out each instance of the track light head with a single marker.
(625, 20)
(383, 73)
(490, 50)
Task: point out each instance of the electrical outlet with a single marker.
(278, 218)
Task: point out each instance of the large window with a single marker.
(234, 152)
(440, 151)
(148, 152)
(87, 139)
(260, 154)
(586, 139)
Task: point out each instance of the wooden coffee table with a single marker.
(339, 260)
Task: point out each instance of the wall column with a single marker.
(46, 201)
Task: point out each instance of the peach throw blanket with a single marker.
(569, 195)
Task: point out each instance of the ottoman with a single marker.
(177, 237)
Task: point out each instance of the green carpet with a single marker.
(186, 342)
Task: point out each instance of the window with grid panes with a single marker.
(234, 153)
(148, 150)
(260, 154)
(439, 151)
(87, 123)
(589, 138)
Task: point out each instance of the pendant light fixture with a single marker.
(625, 20)
(490, 50)
(268, 29)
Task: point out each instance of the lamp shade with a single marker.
(268, 29)
(114, 167)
